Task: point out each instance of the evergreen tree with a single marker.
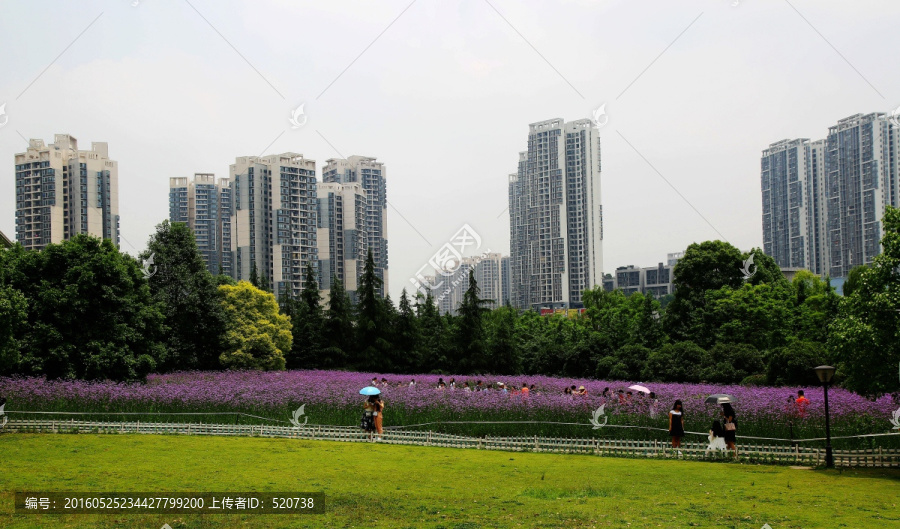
(469, 336)
(338, 337)
(308, 323)
(408, 338)
(193, 305)
(372, 323)
(433, 348)
(254, 275)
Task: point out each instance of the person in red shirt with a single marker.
(802, 403)
(525, 389)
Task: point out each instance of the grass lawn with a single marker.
(372, 485)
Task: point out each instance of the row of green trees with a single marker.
(82, 309)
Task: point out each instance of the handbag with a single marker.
(730, 426)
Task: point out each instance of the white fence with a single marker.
(784, 454)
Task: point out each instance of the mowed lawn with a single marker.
(373, 485)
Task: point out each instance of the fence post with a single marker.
(536, 447)
(880, 458)
(428, 443)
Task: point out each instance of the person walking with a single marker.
(730, 426)
(378, 414)
(676, 424)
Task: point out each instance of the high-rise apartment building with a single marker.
(793, 185)
(341, 235)
(506, 294)
(273, 220)
(196, 202)
(371, 175)
(556, 216)
(823, 201)
(62, 191)
(861, 179)
(489, 276)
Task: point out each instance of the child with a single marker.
(716, 437)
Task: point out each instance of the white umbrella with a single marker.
(642, 389)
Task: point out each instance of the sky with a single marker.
(443, 92)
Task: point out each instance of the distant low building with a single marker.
(790, 272)
(654, 280)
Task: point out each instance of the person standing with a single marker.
(525, 389)
(368, 419)
(654, 404)
(802, 403)
(378, 415)
(730, 426)
(676, 424)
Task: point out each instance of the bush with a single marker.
(682, 361)
(793, 364)
(730, 363)
(754, 380)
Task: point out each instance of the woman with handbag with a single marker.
(378, 414)
(730, 427)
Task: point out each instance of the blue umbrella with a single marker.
(370, 390)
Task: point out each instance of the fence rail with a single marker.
(783, 454)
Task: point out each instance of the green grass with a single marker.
(372, 485)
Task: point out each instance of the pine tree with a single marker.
(372, 323)
(469, 325)
(407, 336)
(254, 275)
(308, 323)
(338, 329)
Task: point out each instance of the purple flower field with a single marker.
(332, 397)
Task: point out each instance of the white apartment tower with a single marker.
(556, 216)
(341, 236)
(62, 191)
(273, 220)
(371, 175)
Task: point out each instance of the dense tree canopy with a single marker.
(83, 309)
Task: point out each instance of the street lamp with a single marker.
(825, 373)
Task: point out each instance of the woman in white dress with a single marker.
(716, 437)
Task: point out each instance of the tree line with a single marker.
(82, 309)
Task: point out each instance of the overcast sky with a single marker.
(442, 92)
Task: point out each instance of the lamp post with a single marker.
(825, 373)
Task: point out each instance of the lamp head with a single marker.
(825, 373)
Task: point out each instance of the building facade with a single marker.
(341, 235)
(556, 216)
(656, 281)
(793, 185)
(196, 202)
(274, 218)
(861, 179)
(823, 201)
(489, 276)
(62, 191)
(371, 175)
